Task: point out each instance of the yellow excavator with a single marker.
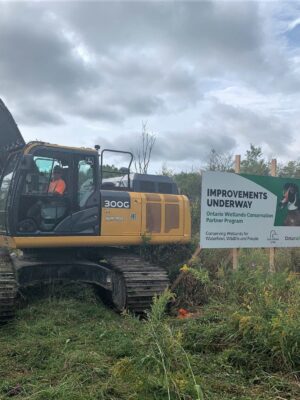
(83, 231)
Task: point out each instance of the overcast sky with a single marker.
(202, 74)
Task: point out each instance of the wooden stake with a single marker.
(272, 249)
(235, 252)
(195, 255)
(182, 273)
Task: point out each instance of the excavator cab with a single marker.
(59, 193)
(29, 186)
(30, 205)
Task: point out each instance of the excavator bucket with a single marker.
(10, 140)
(10, 136)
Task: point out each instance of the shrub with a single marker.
(258, 323)
(191, 287)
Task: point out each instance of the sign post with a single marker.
(235, 252)
(272, 249)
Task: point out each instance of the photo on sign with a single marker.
(287, 191)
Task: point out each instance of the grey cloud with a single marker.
(103, 105)
(37, 58)
(139, 44)
(99, 112)
(262, 128)
(226, 129)
(191, 146)
(142, 81)
(144, 105)
(210, 35)
(149, 59)
(174, 146)
(36, 117)
(127, 141)
(191, 26)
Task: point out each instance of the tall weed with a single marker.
(161, 367)
(258, 324)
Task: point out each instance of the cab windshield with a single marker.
(5, 184)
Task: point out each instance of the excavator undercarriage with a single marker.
(129, 281)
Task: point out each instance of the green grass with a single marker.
(226, 369)
(67, 345)
(65, 348)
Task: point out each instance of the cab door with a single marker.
(86, 198)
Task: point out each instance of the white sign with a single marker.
(249, 211)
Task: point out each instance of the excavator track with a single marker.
(8, 287)
(131, 281)
(135, 282)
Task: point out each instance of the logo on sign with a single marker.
(273, 236)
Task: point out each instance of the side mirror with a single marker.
(27, 162)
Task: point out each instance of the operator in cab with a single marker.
(57, 184)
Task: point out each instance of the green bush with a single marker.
(268, 321)
(258, 324)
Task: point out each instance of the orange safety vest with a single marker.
(57, 186)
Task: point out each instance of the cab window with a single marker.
(86, 180)
(38, 180)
